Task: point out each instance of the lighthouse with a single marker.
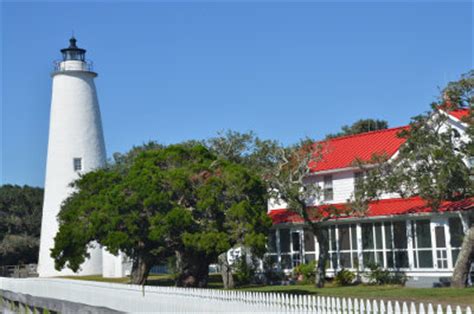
(75, 146)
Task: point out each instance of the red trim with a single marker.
(387, 207)
(460, 114)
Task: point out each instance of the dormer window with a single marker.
(328, 190)
(77, 164)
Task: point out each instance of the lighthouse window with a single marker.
(77, 163)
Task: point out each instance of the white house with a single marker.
(398, 234)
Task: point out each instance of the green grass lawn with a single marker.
(442, 296)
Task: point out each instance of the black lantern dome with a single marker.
(73, 52)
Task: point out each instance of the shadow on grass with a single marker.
(215, 281)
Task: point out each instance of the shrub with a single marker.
(244, 270)
(378, 275)
(344, 277)
(271, 272)
(307, 271)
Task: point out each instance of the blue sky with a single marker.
(175, 71)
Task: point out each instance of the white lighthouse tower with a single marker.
(76, 145)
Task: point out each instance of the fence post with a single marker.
(421, 309)
(439, 310)
(362, 306)
(397, 308)
(375, 307)
(430, 308)
(349, 305)
(405, 308)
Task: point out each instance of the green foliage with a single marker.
(20, 223)
(307, 271)
(344, 277)
(360, 126)
(244, 270)
(379, 276)
(246, 149)
(270, 270)
(160, 201)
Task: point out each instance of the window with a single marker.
(328, 190)
(358, 180)
(77, 164)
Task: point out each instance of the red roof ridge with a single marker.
(343, 137)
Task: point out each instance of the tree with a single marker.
(20, 223)
(360, 126)
(231, 210)
(178, 200)
(431, 164)
(290, 182)
(285, 171)
(134, 209)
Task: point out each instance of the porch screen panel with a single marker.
(272, 242)
(368, 244)
(309, 246)
(333, 247)
(285, 249)
(388, 245)
(400, 244)
(345, 246)
(422, 247)
(457, 235)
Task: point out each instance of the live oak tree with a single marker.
(20, 223)
(230, 211)
(160, 202)
(432, 164)
(290, 182)
(136, 209)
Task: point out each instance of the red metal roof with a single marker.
(459, 113)
(342, 152)
(387, 207)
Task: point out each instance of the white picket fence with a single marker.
(133, 298)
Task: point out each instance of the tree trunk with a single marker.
(226, 272)
(465, 258)
(322, 237)
(193, 270)
(140, 268)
